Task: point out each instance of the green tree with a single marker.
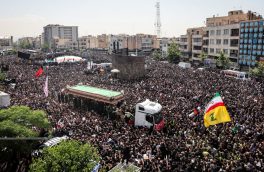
(25, 44)
(222, 61)
(2, 76)
(68, 156)
(258, 71)
(45, 47)
(203, 56)
(156, 55)
(173, 53)
(17, 122)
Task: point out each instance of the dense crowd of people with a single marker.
(183, 145)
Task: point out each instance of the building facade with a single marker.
(190, 44)
(6, 43)
(233, 17)
(117, 42)
(223, 38)
(251, 44)
(221, 34)
(52, 32)
(102, 42)
(30, 42)
(87, 42)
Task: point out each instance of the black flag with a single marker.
(22, 55)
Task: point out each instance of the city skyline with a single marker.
(27, 18)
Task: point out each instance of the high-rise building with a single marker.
(251, 44)
(52, 32)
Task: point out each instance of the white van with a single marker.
(185, 65)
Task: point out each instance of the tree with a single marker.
(17, 122)
(223, 61)
(174, 53)
(25, 44)
(203, 56)
(156, 55)
(68, 156)
(258, 71)
(2, 76)
(45, 47)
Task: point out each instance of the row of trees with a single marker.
(20, 127)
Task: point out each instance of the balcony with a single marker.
(234, 55)
(234, 32)
(197, 43)
(197, 51)
(234, 43)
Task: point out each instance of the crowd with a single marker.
(183, 145)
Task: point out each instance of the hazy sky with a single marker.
(27, 17)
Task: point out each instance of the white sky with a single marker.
(27, 17)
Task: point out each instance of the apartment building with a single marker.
(197, 42)
(117, 42)
(251, 45)
(31, 42)
(165, 44)
(222, 38)
(190, 44)
(6, 43)
(222, 34)
(87, 42)
(102, 42)
(52, 32)
(143, 42)
(233, 17)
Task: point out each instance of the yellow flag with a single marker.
(216, 112)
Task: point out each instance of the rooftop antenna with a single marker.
(158, 22)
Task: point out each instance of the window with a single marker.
(141, 108)
(211, 50)
(226, 32)
(218, 32)
(212, 32)
(218, 41)
(211, 41)
(218, 50)
(225, 41)
(225, 51)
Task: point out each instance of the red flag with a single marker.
(160, 125)
(39, 72)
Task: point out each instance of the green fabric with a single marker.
(217, 94)
(98, 91)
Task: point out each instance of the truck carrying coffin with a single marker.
(96, 94)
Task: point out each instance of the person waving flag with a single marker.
(39, 72)
(216, 112)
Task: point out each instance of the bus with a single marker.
(236, 74)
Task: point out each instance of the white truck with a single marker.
(185, 65)
(148, 114)
(4, 99)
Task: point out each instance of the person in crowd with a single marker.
(185, 145)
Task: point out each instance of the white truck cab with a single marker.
(148, 113)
